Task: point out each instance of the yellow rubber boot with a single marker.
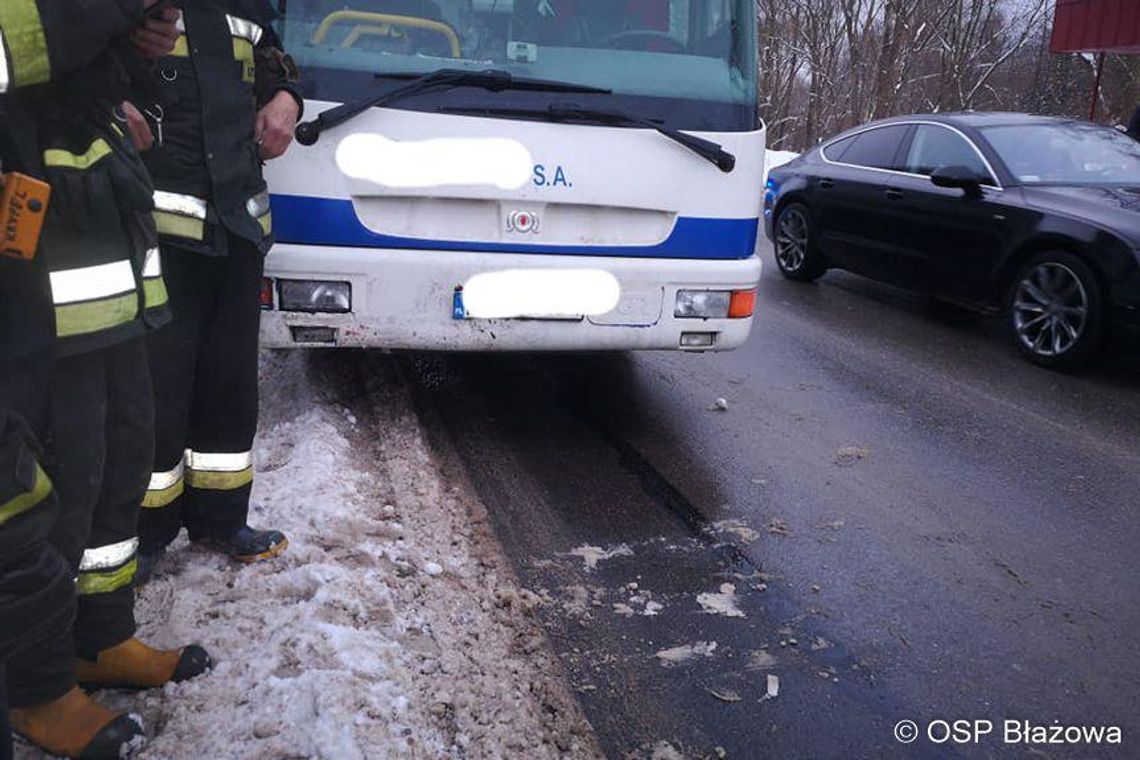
(77, 726)
(134, 665)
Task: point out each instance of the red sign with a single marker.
(1097, 26)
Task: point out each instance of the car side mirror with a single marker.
(960, 177)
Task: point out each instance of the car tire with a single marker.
(793, 243)
(1056, 311)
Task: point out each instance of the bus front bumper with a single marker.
(402, 299)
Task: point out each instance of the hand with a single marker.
(273, 130)
(138, 128)
(155, 36)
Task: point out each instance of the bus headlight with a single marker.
(315, 296)
(715, 304)
(702, 304)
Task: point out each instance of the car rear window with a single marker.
(876, 148)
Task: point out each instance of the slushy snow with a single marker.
(391, 627)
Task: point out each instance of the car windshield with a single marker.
(695, 53)
(1067, 154)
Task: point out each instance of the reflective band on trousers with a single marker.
(245, 29)
(160, 481)
(196, 460)
(164, 488)
(219, 472)
(25, 501)
(177, 203)
(109, 556)
(104, 583)
(92, 283)
(26, 42)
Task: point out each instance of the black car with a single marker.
(1037, 216)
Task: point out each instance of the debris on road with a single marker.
(651, 609)
(761, 659)
(725, 696)
(722, 603)
(849, 455)
(830, 524)
(773, 687)
(665, 751)
(592, 555)
(778, 527)
(720, 405)
(737, 528)
(677, 655)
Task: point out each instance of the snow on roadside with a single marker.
(774, 158)
(391, 627)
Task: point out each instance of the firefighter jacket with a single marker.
(63, 77)
(207, 168)
(56, 84)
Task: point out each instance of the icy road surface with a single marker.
(390, 628)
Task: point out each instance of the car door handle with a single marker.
(827, 184)
(893, 194)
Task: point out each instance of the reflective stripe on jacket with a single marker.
(100, 242)
(208, 169)
(58, 45)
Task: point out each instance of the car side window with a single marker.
(876, 148)
(937, 147)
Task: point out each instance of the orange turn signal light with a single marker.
(742, 304)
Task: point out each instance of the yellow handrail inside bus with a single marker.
(410, 22)
(363, 30)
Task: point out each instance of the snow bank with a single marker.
(774, 158)
(391, 627)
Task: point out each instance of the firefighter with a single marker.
(90, 291)
(227, 102)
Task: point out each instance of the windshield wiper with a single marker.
(706, 149)
(493, 80)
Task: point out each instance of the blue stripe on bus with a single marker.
(329, 221)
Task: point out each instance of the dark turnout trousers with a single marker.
(204, 366)
(37, 593)
(99, 455)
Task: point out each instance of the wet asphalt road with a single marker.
(915, 523)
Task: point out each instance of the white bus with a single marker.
(482, 175)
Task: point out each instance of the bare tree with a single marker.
(830, 64)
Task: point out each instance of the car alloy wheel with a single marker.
(792, 240)
(1050, 309)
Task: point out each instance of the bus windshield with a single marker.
(690, 64)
